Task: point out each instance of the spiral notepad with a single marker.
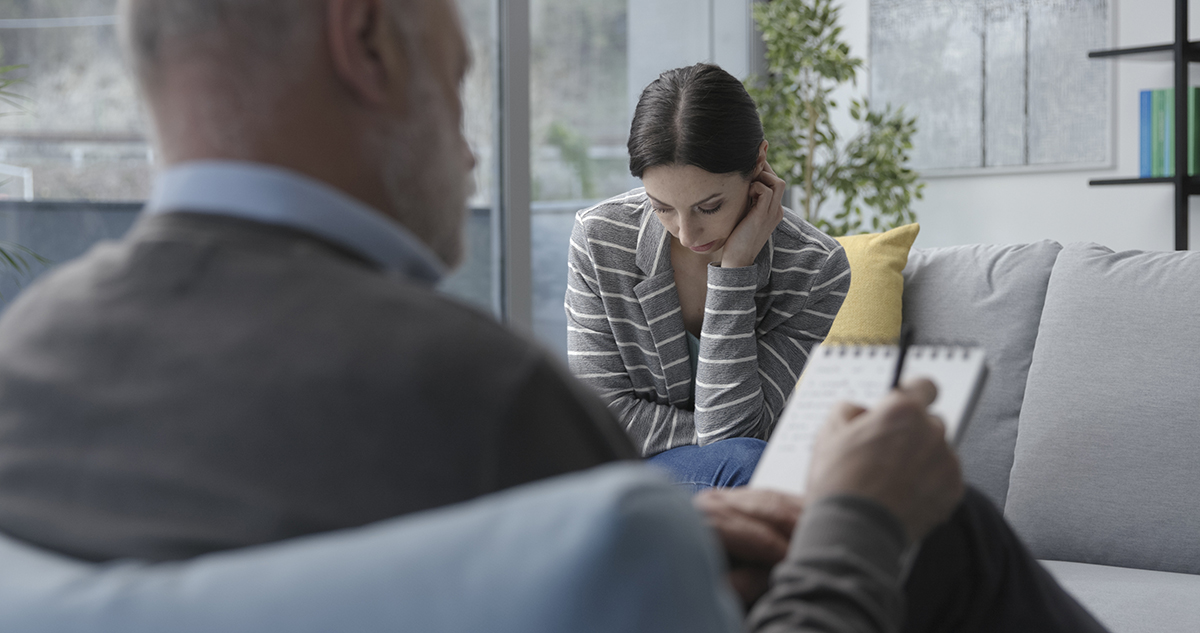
(863, 375)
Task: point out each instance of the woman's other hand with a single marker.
(766, 212)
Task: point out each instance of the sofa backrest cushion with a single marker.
(1107, 467)
(990, 296)
(612, 549)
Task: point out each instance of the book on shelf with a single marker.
(1156, 131)
(1156, 152)
(1145, 108)
(1168, 132)
(1193, 130)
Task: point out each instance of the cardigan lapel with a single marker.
(660, 303)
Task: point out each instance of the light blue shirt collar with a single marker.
(273, 195)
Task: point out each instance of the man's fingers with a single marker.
(755, 526)
(845, 411)
(776, 509)
(920, 389)
(749, 541)
(938, 424)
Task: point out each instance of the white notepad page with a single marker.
(863, 375)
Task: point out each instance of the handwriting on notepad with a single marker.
(863, 376)
(833, 375)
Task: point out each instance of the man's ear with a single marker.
(364, 50)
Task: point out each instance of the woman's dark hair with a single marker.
(699, 115)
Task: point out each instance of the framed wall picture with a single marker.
(997, 85)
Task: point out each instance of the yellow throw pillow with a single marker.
(872, 310)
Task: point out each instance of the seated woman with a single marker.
(693, 303)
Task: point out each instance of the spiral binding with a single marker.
(934, 351)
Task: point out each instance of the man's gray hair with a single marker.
(239, 34)
(258, 49)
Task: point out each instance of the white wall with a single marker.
(1004, 209)
(666, 34)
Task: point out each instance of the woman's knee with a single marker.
(738, 458)
(746, 447)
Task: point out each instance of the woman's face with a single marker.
(698, 208)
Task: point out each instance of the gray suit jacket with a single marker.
(210, 383)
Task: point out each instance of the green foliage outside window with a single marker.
(14, 256)
(573, 148)
(806, 61)
(13, 102)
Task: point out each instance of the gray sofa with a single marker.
(1087, 434)
(1088, 430)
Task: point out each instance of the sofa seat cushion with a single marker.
(989, 296)
(1107, 464)
(1133, 600)
(612, 549)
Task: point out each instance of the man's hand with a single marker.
(895, 454)
(755, 527)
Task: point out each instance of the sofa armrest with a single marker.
(612, 549)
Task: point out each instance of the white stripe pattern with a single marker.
(612, 295)
(594, 218)
(726, 405)
(771, 381)
(663, 317)
(625, 334)
(796, 269)
(826, 284)
(611, 245)
(728, 361)
(728, 337)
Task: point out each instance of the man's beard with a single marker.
(427, 185)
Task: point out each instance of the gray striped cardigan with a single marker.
(625, 334)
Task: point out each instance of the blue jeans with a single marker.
(722, 464)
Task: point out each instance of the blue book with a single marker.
(1144, 161)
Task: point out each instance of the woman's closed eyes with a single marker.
(704, 210)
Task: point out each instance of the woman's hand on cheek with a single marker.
(752, 233)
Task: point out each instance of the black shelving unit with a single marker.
(1182, 52)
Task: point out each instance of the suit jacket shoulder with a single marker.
(231, 383)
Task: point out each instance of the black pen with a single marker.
(906, 337)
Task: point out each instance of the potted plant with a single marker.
(867, 173)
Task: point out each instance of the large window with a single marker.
(590, 60)
(76, 162)
(75, 146)
(579, 123)
(476, 281)
(80, 133)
